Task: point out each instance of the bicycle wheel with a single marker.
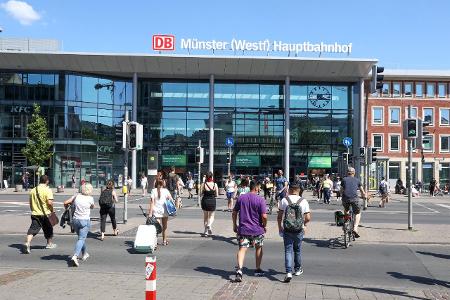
(346, 235)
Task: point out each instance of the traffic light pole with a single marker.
(125, 172)
(409, 176)
(229, 161)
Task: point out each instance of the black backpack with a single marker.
(293, 217)
(106, 198)
(172, 182)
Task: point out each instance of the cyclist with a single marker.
(281, 186)
(349, 190)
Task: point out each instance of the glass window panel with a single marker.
(299, 98)
(128, 93)
(34, 79)
(377, 115)
(271, 96)
(174, 94)
(394, 170)
(408, 89)
(442, 91)
(395, 142)
(413, 112)
(48, 79)
(428, 115)
(247, 95)
(445, 116)
(428, 143)
(119, 93)
(198, 94)
(106, 91)
(396, 89)
(445, 143)
(394, 115)
(73, 88)
(378, 141)
(340, 97)
(386, 89)
(89, 93)
(419, 89)
(431, 86)
(224, 95)
(427, 172)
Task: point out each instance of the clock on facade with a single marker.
(319, 96)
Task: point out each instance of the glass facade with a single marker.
(83, 121)
(85, 114)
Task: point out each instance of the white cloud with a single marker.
(21, 11)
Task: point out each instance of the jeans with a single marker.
(326, 195)
(82, 229)
(292, 246)
(104, 212)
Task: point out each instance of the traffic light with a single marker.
(228, 156)
(410, 129)
(373, 154)
(199, 154)
(362, 152)
(132, 127)
(377, 80)
(421, 133)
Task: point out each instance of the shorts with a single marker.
(281, 195)
(38, 222)
(354, 203)
(230, 195)
(247, 241)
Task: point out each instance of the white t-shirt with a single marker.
(144, 182)
(190, 184)
(231, 186)
(159, 208)
(83, 207)
(294, 199)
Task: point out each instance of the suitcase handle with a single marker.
(143, 212)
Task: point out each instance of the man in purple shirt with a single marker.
(252, 225)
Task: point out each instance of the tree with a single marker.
(37, 151)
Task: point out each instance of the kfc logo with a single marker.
(163, 42)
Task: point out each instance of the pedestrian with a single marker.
(242, 189)
(250, 231)
(384, 192)
(337, 188)
(190, 185)
(81, 221)
(327, 184)
(180, 188)
(433, 183)
(157, 207)
(230, 188)
(41, 205)
(281, 184)
(129, 185)
(172, 183)
(293, 215)
(108, 199)
(144, 184)
(25, 181)
(210, 191)
(73, 181)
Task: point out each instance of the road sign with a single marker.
(229, 142)
(347, 142)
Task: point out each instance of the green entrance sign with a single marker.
(248, 160)
(319, 162)
(174, 160)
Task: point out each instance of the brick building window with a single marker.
(396, 89)
(394, 142)
(445, 116)
(428, 115)
(408, 89)
(394, 115)
(386, 90)
(428, 143)
(419, 89)
(445, 143)
(442, 91)
(377, 115)
(413, 112)
(431, 90)
(377, 141)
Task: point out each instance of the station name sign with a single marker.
(168, 43)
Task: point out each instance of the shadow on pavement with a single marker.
(58, 257)
(227, 275)
(398, 229)
(20, 247)
(188, 232)
(420, 279)
(218, 272)
(444, 256)
(333, 243)
(374, 290)
(230, 240)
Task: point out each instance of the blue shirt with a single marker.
(279, 183)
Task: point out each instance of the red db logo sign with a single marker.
(163, 42)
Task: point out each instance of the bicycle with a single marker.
(349, 223)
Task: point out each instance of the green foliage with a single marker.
(38, 148)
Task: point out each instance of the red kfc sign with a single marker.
(163, 42)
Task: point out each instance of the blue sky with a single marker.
(401, 34)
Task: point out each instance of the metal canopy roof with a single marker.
(191, 67)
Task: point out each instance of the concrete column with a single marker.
(211, 124)
(134, 118)
(359, 128)
(287, 125)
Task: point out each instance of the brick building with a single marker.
(428, 94)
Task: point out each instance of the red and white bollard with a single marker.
(150, 278)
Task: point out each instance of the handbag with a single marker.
(153, 221)
(171, 209)
(52, 217)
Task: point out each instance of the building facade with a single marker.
(428, 94)
(283, 113)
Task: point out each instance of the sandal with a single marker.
(165, 243)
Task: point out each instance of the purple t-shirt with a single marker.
(250, 207)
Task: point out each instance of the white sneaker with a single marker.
(288, 277)
(299, 272)
(51, 246)
(209, 230)
(85, 256)
(75, 261)
(26, 248)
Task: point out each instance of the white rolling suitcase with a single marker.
(146, 239)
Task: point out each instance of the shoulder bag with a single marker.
(52, 217)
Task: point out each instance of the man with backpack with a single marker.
(384, 192)
(172, 184)
(293, 215)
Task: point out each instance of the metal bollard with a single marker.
(150, 278)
